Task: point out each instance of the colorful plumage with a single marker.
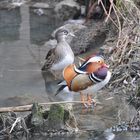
(90, 77)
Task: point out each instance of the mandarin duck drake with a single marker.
(60, 56)
(89, 78)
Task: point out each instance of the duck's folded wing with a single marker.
(50, 53)
(49, 59)
(81, 82)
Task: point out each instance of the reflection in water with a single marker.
(42, 26)
(9, 24)
(19, 59)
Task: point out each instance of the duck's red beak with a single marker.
(105, 65)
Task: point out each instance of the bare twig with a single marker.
(110, 8)
(124, 48)
(100, 1)
(14, 124)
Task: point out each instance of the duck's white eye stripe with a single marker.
(95, 59)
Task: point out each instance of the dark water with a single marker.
(22, 35)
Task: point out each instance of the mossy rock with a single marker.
(51, 122)
(36, 115)
(56, 117)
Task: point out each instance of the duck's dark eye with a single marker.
(65, 32)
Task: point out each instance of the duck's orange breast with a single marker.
(68, 74)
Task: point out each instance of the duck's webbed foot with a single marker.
(83, 100)
(90, 101)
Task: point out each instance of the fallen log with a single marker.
(25, 108)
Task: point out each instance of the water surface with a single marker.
(22, 35)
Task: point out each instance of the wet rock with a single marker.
(41, 5)
(40, 18)
(57, 121)
(37, 115)
(70, 3)
(56, 117)
(89, 38)
(67, 9)
(10, 4)
(67, 12)
(18, 3)
(9, 28)
(95, 11)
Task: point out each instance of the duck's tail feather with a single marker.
(61, 83)
(62, 86)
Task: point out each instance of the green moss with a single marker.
(56, 113)
(56, 117)
(37, 115)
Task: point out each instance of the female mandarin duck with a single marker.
(60, 56)
(91, 76)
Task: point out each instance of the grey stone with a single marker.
(66, 9)
(41, 5)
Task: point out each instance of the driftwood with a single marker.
(29, 107)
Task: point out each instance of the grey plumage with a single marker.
(49, 61)
(62, 53)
